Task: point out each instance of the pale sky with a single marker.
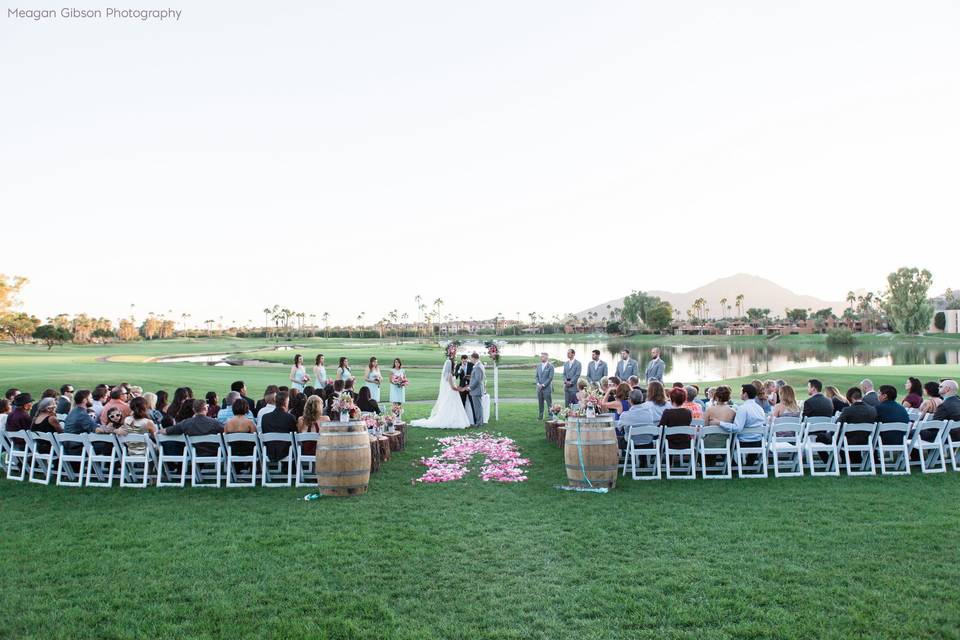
(505, 156)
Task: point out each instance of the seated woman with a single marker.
(365, 403)
(46, 422)
(933, 401)
(719, 411)
(677, 416)
(656, 403)
(213, 404)
(838, 399)
(787, 407)
(762, 398)
(582, 385)
(139, 422)
(914, 397)
(620, 402)
(610, 393)
(240, 423)
(695, 409)
(310, 422)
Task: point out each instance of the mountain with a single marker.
(757, 292)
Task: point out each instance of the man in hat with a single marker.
(19, 419)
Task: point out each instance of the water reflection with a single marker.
(722, 361)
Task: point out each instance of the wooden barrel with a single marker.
(343, 458)
(590, 449)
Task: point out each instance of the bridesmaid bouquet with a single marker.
(400, 381)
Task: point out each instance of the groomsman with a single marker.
(627, 366)
(544, 383)
(596, 368)
(571, 373)
(655, 367)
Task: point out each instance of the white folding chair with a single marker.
(952, 446)
(685, 456)
(172, 461)
(70, 443)
(43, 461)
(812, 448)
(913, 414)
(643, 441)
(135, 469)
(929, 448)
(199, 458)
(246, 474)
(724, 468)
(785, 447)
(104, 463)
(289, 460)
(18, 455)
(899, 450)
(754, 444)
(866, 467)
(306, 464)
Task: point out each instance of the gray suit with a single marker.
(627, 368)
(545, 394)
(571, 373)
(655, 369)
(596, 371)
(476, 391)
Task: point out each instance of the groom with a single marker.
(476, 389)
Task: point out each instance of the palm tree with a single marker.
(723, 306)
(739, 305)
(266, 321)
(438, 303)
(326, 324)
(851, 298)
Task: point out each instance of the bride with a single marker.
(448, 412)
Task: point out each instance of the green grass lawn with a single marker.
(789, 558)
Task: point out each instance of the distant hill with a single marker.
(757, 292)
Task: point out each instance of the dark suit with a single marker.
(278, 421)
(949, 409)
(871, 398)
(462, 373)
(857, 413)
(818, 405)
(198, 425)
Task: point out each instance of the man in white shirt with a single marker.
(544, 383)
(571, 374)
(271, 399)
(627, 366)
(596, 368)
(749, 414)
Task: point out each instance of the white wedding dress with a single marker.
(448, 411)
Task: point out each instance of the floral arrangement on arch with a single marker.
(493, 350)
(450, 347)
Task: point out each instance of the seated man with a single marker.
(197, 425)
(280, 420)
(949, 409)
(889, 410)
(857, 412)
(817, 405)
(749, 414)
(225, 414)
(634, 416)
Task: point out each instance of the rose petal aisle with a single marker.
(501, 463)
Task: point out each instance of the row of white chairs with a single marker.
(790, 445)
(97, 460)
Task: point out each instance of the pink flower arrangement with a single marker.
(400, 381)
(502, 461)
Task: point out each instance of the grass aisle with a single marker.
(789, 558)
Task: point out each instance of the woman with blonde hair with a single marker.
(762, 399)
(310, 422)
(787, 407)
(582, 386)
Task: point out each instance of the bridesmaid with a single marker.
(319, 372)
(372, 379)
(397, 392)
(298, 373)
(343, 370)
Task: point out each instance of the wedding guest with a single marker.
(134, 391)
(787, 407)
(348, 388)
(46, 422)
(839, 402)
(544, 376)
(4, 413)
(626, 367)
(869, 395)
(224, 415)
(19, 418)
(582, 392)
(762, 399)
(139, 422)
(691, 403)
(10, 394)
(914, 397)
(65, 399)
(310, 422)
(269, 406)
(48, 393)
(80, 420)
(398, 392)
(949, 409)
(720, 410)
(571, 373)
(620, 401)
(197, 424)
(633, 417)
(240, 387)
(213, 404)
(656, 367)
(889, 410)
(343, 370)
(634, 382)
(773, 392)
(372, 378)
(365, 401)
(114, 417)
(279, 421)
(677, 416)
(611, 391)
(271, 389)
(240, 420)
(298, 373)
(857, 411)
(162, 407)
(707, 399)
(749, 414)
(319, 372)
(817, 404)
(117, 400)
(99, 397)
(596, 368)
(933, 401)
(297, 402)
(653, 407)
(179, 398)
